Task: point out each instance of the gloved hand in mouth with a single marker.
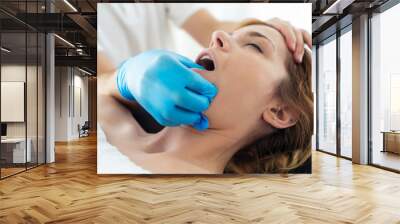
(163, 83)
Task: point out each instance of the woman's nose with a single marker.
(221, 40)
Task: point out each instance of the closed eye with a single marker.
(255, 46)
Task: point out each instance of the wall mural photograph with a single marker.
(204, 89)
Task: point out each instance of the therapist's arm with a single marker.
(106, 76)
(202, 24)
(107, 72)
(107, 91)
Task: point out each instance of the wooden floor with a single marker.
(5, 172)
(387, 159)
(70, 191)
(10, 171)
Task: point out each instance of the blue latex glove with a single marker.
(165, 86)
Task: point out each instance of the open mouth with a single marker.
(206, 60)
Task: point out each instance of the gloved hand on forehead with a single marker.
(163, 83)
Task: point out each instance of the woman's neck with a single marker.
(211, 149)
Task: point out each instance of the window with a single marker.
(327, 96)
(346, 93)
(314, 87)
(385, 89)
(23, 77)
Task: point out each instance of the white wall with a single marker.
(70, 83)
(33, 127)
(17, 73)
(62, 81)
(80, 94)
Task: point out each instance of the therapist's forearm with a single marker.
(108, 84)
(202, 24)
(104, 64)
(205, 35)
(107, 78)
(227, 26)
(106, 75)
(112, 101)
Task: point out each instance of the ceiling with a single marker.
(76, 25)
(331, 16)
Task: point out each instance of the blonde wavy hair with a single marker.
(284, 149)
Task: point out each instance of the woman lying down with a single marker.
(260, 120)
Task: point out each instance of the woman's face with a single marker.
(249, 65)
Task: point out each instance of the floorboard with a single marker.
(70, 191)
